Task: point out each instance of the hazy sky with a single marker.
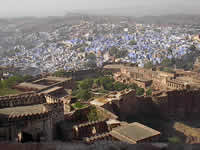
(13, 8)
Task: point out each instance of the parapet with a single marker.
(90, 140)
(29, 116)
(51, 99)
(21, 100)
(89, 123)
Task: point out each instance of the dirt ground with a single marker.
(188, 132)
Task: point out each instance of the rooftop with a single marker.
(31, 85)
(58, 79)
(133, 132)
(109, 98)
(56, 88)
(21, 110)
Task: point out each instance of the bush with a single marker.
(83, 94)
(92, 115)
(119, 86)
(139, 91)
(78, 105)
(149, 92)
(107, 83)
(60, 73)
(148, 65)
(133, 86)
(174, 140)
(86, 84)
(132, 42)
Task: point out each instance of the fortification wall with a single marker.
(105, 113)
(34, 124)
(82, 74)
(90, 129)
(184, 103)
(22, 100)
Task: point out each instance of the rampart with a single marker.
(38, 112)
(101, 137)
(105, 113)
(29, 116)
(22, 100)
(90, 129)
(82, 74)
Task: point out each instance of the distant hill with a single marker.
(171, 19)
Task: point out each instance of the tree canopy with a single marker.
(132, 42)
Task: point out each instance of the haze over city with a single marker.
(14, 8)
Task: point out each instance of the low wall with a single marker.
(105, 113)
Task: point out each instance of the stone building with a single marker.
(120, 103)
(135, 133)
(129, 133)
(145, 78)
(30, 117)
(50, 85)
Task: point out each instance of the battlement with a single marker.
(51, 99)
(90, 129)
(22, 100)
(29, 116)
(91, 140)
(183, 92)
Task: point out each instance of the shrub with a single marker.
(174, 140)
(139, 91)
(149, 92)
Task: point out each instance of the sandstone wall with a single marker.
(21, 100)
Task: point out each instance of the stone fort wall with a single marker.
(22, 100)
(182, 104)
(43, 123)
(82, 74)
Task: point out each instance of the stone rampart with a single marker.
(22, 100)
(82, 74)
(101, 137)
(90, 129)
(105, 113)
(29, 116)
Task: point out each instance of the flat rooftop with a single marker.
(109, 98)
(58, 79)
(31, 85)
(56, 88)
(21, 110)
(133, 132)
(114, 66)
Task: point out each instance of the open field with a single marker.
(8, 91)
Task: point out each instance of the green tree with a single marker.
(83, 94)
(91, 64)
(118, 86)
(192, 48)
(149, 92)
(92, 115)
(86, 84)
(122, 53)
(113, 51)
(167, 63)
(107, 83)
(91, 56)
(148, 65)
(60, 73)
(166, 69)
(174, 140)
(139, 91)
(133, 86)
(132, 42)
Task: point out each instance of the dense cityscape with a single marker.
(87, 45)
